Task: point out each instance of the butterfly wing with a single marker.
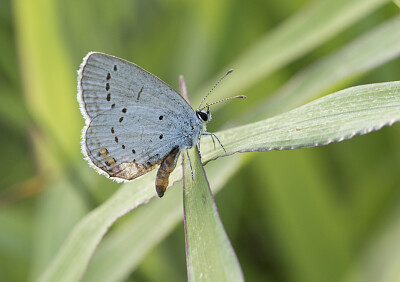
(133, 119)
(106, 81)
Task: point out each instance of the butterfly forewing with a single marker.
(133, 118)
(106, 82)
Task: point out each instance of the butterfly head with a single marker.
(203, 115)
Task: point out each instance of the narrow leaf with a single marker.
(209, 254)
(380, 260)
(48, 76)
(333, 118)
(369, 51)
(54, 218)
(120, 252)
(71, 261)
(316, 23)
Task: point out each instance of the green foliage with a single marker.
(322, 214)
(209, 253)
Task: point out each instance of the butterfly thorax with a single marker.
(191, 133)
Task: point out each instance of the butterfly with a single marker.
(135, 121)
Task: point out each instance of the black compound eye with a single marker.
(202, 115)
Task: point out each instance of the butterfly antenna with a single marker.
(228, 72)
(239, 96)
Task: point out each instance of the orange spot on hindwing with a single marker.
(165, 169)
(110, 161)
(103, 152)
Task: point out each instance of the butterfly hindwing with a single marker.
(115, 139)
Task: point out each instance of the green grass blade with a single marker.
(15, 241)
(48, 76)
(380, 261)
(121, 251)
(124, 248)
(72, 259)
(209, 254)
(128, 244)
(333, 118)
(315, 24)
(371, 50)
(54, 219)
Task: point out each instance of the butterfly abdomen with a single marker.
(165, 169)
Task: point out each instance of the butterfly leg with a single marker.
(212, 138)
(190, 163)
(213, 135)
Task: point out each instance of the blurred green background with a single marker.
(321, 214)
